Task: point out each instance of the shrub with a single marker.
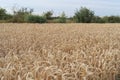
(83, 15)
(20, 14)
(35, 19)
(62, 18)
(97, 19)
(48, 15)
(2, 13)
(111, 19)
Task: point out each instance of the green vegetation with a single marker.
(35, 19)
(48, 15)
(20, 15)
(4, 17)
(62, 18)
(82, 15)
(2, 14)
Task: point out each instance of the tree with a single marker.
(83, 15)
(62, 18)
(48, 15)
(19, 15)
(2, 14)
(97, 19)
(111, 19)
(35, 19)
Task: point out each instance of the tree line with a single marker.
(82, 15)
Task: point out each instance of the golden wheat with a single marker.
(59, 51)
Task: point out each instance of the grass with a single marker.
(59, 51)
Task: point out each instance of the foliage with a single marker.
(35, 19)
(83, 15)
(111, 19)
(20, 14)
(48, 15)
(62, 18)
(2, 14)
(97, 19)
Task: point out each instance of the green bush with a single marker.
(97, 19)
(111, 19)
(48, 15)
(83, 15)
(20, 14)
(62, 18)
(35, 19)
(2, 13)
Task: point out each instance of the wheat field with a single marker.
(59, 51)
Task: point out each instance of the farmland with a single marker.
(59, 51)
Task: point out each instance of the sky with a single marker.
(100, 7)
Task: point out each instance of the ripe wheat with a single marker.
(59, 51)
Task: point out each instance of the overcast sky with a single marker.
(100, 7)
